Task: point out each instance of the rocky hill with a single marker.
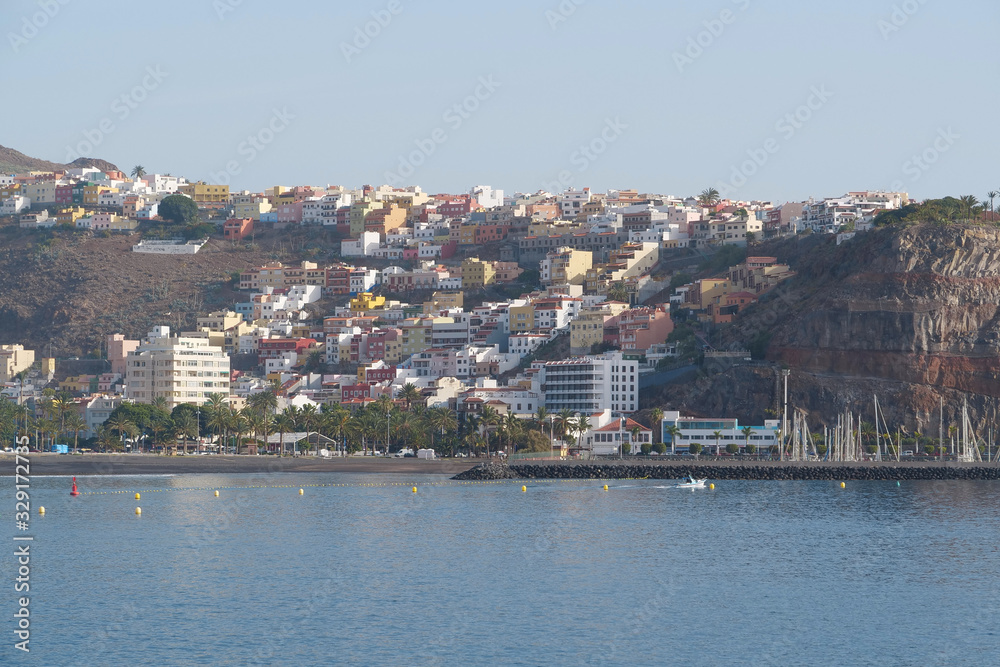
(911, 314)
(13, 162)
(72, 288)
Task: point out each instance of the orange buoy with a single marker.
(74, 492)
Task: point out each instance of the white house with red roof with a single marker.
(620, 435)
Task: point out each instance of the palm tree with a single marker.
(489, 417)
(217, 420)
(185, 426)
(709, 197)
(283, 424)
(410, 394)
(617, 292)
(747, 432)
(582, 426)
(75, 423)
(656, 416)
(718, 436)
(564, 421)
(138, 171)
(441, 420)
(541, 416)
(969, 203)
(674, 432)
(106, 439)
(239, 425)
(992, 194)
(159, 402)
(634, 432)
(308, 418)
(121, 424)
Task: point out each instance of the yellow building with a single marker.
(92, 194)
(467, 234)
(417, 333)
(206, 194)
(566, 266)
(48, 365)
(221, 320)
(710, 290)
(251, 209)
(588, 327)
(78, 384)
(385, 220)
(522, 316)
(443, 301)
(13, 360)
(70, 215)
(359, 211)
(366, 301)
(393, 351)
(477, 273)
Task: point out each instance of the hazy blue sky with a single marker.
(887, 81)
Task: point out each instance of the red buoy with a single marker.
(74, 492)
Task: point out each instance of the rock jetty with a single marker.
(743, 471)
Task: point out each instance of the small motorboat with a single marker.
(690, 482)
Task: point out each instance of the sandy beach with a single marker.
(147, 464)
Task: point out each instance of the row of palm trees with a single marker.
(56, 419)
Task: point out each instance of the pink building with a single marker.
(638, 328)
(290, 213)
(118, 349)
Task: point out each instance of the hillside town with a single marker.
(505, 323)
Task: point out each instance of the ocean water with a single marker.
(751, 573)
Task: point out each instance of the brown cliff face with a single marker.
(912, 315)
(919, 305)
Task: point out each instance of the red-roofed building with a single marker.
(608, 440)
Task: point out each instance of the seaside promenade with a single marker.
(153, 464)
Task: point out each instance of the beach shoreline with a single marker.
(42, 464)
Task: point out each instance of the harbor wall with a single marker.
(737, 471)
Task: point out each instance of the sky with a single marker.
(776, 100)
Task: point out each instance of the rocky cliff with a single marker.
(911, 314)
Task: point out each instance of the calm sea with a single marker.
(752, 573)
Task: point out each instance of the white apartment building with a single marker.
(591, 384)
(830, 214)
(14, 205)
(571, 202)
(487, 196)
(362, 280)
(178, 369)
(163, 184)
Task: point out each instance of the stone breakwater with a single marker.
(746, 471)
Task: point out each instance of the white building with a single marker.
(363, 280)
(589, 384)
(703, 432)
(162, 184)
(181, 370)
(571, 202)
(14, 205)
(487, 196)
